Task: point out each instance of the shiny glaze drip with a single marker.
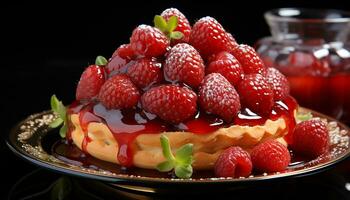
(126, 125)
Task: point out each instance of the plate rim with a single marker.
(141, 180)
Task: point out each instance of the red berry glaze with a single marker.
(184, 64)
(233, 162)
(278, 83)
(90, 83)
(183, 25)
(170, 102)
(148, 41)
(217, 96)
(249, 59)
(310, 138)
(209, 37)
(119, 92)
(145, 72)
(270, 156)
(256, 94)
(227, 65)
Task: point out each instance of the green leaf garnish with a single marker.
(181, 163)
(172, 23)
(58, 108)
(303, 116)
(168, 27)
(160, 23)
(100, 60)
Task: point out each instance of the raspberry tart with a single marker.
(183, 98)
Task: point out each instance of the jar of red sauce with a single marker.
(312, 48)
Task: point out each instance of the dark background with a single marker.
(46, 46)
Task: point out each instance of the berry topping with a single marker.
(209, 37)
(90, 83)
(124, 51)
(249, 59)
(148, 41)
(278, 83)
(256, 94)
(227, 65)
(170, 102)
(183, 25)
(233, 162)
(218, 96)
(145, 72)
(119, 92)
(117, 65)
(310, 138)
(184, 64)
(270, 156)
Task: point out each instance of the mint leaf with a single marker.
(176, 35)
(181, 163)
(54, 103)
(172, 23)
(303, 116)
(63, 130)
(164, 141)
(100, 60)
(184, 154)
(59, 109)
(160, 23)
(183, 171)
(165, 166)
(56, 123)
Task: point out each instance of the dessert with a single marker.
(183, 99)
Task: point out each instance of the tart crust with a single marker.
(148, 152)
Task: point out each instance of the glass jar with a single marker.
(312, 48)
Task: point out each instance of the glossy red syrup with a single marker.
(126, 125)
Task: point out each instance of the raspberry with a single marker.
(209, 37)
(145, 72)
(256, 94)
(233, 162)
(184, 64)
(310, 138)
(278, 83)
(119, 92)
(90, 82)
(218, 96)
(270, 156)
(171, 103)
(117, 65)
(148, 41)
(183, 25)
(124, 51)
(227, 65)
(249, 59)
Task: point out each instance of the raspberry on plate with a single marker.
(218, 96)
(90, 82)
(119, 92)
(148, 41)
(278, 83)
(310, 138)
(145, 72)
(171, 103)
(256, 94)
(183, 25)
(209, 37)
(184, 64)
(233, 162)
(249, 59)
(270, 156)
(227, 65)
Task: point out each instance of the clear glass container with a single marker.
(312, 48)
